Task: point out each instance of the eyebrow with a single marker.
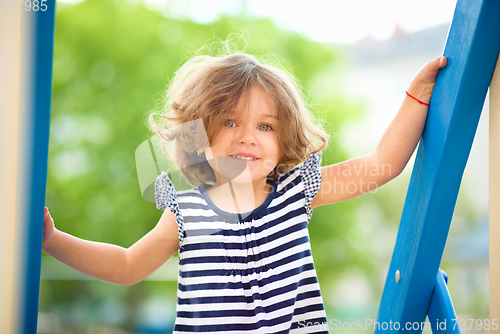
(270, 116)
(264, 115)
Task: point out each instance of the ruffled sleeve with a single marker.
(166, 197)
(311, 176)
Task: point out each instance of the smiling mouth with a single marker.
(243, 158)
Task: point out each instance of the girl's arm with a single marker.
(357, 176)
(113, 263)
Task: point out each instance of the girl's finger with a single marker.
(443, 61)
(437, 63)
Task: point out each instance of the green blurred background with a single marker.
(112, 63)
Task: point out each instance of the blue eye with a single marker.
(265, 127)
(229, 123)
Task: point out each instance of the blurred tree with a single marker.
(112, 63)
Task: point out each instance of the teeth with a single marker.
(243, 158)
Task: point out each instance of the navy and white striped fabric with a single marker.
(247, 275)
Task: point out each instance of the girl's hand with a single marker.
(423, 84)
(49, 229)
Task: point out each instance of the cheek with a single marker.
(277, 150)
(272, 154)
(269, 165)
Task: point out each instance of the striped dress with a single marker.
(248, 273)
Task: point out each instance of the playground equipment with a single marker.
(419, 290)
(26, 52)
(415, 287)
(494, 194)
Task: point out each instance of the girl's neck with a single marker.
(239, 197)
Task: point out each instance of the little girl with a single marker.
(245, 263)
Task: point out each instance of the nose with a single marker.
(246, 134)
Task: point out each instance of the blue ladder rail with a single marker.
(42, 29)
(472, 49)
(441, 312)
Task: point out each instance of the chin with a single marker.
(242, 178)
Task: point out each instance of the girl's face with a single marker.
(247, 148)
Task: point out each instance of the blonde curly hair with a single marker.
(209, 88)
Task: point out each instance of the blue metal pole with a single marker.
(442, 314)
(39, 110)
(472, 48)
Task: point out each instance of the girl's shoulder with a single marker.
(308, 175)
(166, 197)
(309, 168)
(165, 194)
(312, 162)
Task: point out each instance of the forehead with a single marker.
(256, 103)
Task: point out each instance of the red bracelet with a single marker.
(413, 97)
